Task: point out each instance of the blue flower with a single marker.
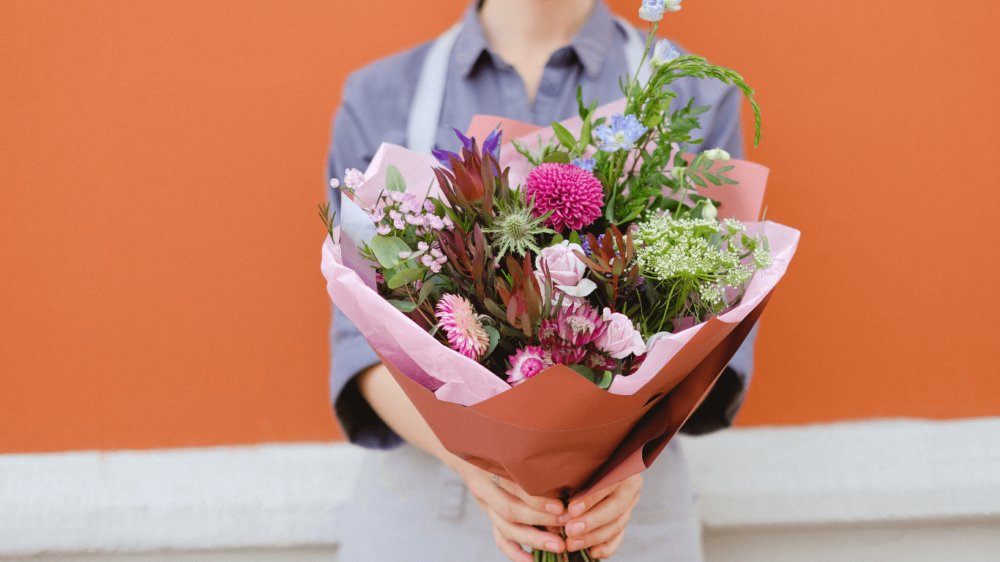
(651, 10)
(585, 163)
(663, 53)
(621, 135)
(490, 146)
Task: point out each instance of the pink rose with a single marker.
(620, 339)
(565, 269)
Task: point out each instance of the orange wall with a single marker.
(160, 163)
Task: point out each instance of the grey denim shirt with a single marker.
(375, 108)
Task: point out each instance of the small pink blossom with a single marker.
(376, 215)
(406, 207)
(620, 339)
(395, 215)
(435, 222)
(379, 278)
(384, 230)
(334, 183)
(416, 220)
(447, 223)
(426, 260)
(400, 224)
(436, 253)
(429, 206)
(525, 364)
(396, 196)
(353, 178)
(404, 255)
(422, 246)
(435, 267)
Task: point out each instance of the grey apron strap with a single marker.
(635, 46)
(425, 112)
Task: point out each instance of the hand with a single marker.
(514, 513)
(597, 521)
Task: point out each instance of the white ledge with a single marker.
(874, 471)
(288, 495)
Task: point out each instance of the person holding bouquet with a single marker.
(523, 59)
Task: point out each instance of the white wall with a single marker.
(884, 490)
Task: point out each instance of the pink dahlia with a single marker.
(527, 363)
(573, 195)
(460, 322)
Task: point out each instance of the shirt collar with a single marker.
(591, 44)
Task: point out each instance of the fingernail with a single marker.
(554, 509)
(563, 519)
(575, 544)
(576, 528)
(577, 509)
(551, 546)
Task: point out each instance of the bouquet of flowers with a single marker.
(557, 306)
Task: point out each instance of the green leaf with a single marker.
(387, 249)
(404, 306)
(698, 180)
(699, 110)
(725, 169)
(585, 137)
(579, 102)
(712, 178)
(565, 137)
(729, 181)
(574, 237)
(406, 276)
(653, 120)
(494, 340)
(749, 243)
(559, 157)
(425, 291)
(606, 380)
(585, 372)
(557, 239)
(394, 180)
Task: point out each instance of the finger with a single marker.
(579, 506)
(599, 536)
(605, 512)
(526, 534)
(544, 505)
(510, 548)
(511, 508)
(607, 549)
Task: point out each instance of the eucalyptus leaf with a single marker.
(394, 180)
(606, 380)
(405, 276)
(387, 249)
(494, 340)
(585, 372)
(404, 306)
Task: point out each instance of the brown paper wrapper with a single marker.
(559, 435)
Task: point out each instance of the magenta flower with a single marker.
(461, 324)
(573, 195)
(526, 363)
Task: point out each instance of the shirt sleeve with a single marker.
(351, 147)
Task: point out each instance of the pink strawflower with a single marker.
(527, 363)
(573, 195)
(461, 324)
